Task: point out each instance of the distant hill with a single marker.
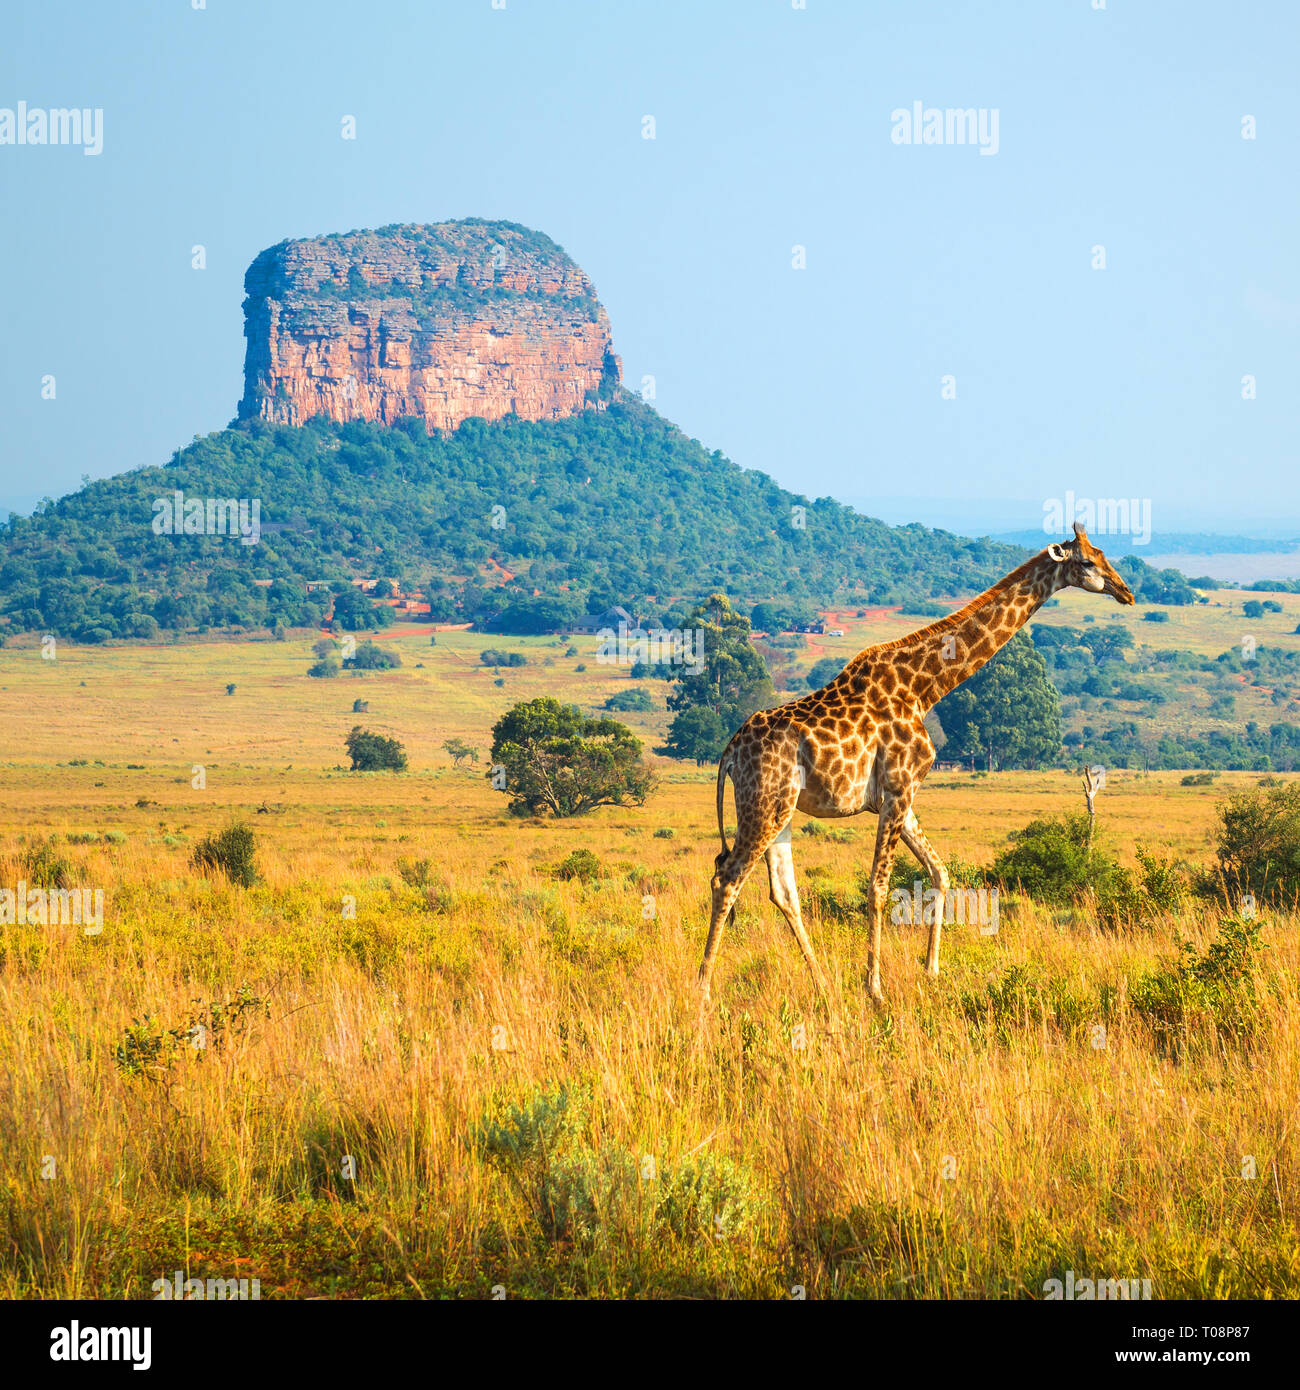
(1189, 543)
(362, 450)
(612, 505)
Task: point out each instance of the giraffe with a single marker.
(860, 744)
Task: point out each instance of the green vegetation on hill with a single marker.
(606, 506)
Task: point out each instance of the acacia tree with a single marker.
(460, 750)
(552, 758)
(1008, 714)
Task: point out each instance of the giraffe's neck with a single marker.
(938, 658)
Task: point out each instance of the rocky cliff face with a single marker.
(441, 322)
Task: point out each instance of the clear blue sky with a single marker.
(1119, 127)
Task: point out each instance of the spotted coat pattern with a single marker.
(860, 744)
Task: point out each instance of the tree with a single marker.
(1008, 713)
(1258, 845)
(373, 752)
(369, 656)
(556, 759)
(460, 750)
(732, 681)
(698, 734)
(824, 671)
(353, 612)
(625, 701)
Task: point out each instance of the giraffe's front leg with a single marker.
(893, 815)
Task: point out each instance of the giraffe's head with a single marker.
(1083, 566)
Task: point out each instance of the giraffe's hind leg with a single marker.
(766, 793)
(915, 839)
(732, 869)
(780, 872)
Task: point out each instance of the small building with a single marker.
(592, 623)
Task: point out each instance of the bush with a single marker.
(583, 865)
(1049, 859)
(1157, 615)
(1025, 998)
(1159, 888)
(1198, 779)
(324, 669)
(232, 851)
(707, 1196)
(373, 752)
(370, 656)
(582, 1194)
(1258, 846)
(1216, 990)
(665, 832)
(636, 699)
(490, 656)
(837, 834)
(44, 867)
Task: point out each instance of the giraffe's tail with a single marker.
(724, 771)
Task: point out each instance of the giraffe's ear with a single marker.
(1058, 553)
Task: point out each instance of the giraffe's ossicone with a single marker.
(859, 744)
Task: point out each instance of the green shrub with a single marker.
(370, 656)
(634, 700)
(583, 865)
(708, 1196)
(837, 834)
(1215, 990)
(373, 752)
(1198, 779)
(1026, 999)
(147, 1049)
(44, 867)
(232, 851)
(1050, 860)
(1258, 845)
(578, 1193)
(665, 832)
(1159, 887)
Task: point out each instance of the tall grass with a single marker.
(1023, 1117)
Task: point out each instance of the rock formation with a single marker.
(441, 322)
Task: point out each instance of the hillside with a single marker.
(605, 506)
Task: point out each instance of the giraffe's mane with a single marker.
(955, 619)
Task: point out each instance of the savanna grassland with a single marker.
(410, 966)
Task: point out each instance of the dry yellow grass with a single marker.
(908, 1153)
